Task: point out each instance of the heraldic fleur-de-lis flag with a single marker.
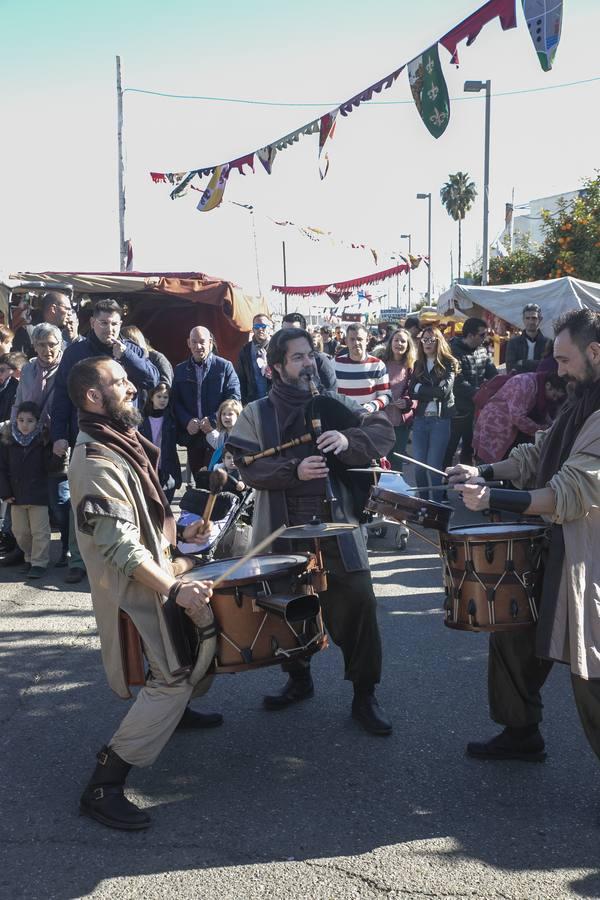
(429, 91)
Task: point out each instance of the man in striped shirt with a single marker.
(360, 376)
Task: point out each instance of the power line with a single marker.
(548, 87)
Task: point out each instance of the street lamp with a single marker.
(473, 87)
(428, 198)
(405, 236)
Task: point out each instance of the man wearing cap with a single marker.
(525, 350)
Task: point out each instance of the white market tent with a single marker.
(506, 301)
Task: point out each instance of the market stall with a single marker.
(164, 305)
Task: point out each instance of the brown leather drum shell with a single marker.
(493, 576)
(404, 508)
(249, 637)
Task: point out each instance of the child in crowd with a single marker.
(160, 428)
(25, 455)
(10, 369)
(228, 465)
(227, 416)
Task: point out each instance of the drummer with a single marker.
(291, 490)
(117, 498)
(559, 479)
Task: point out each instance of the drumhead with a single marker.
(257, 569)
(406, 501)
(501, 531)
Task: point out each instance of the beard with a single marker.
(123, 414)
(589, 378)
(302, 380)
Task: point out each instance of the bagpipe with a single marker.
(326, 413)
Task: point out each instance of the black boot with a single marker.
(103, 798)
(194, 720)
(299, 687)
(526, 744)
(367, 711)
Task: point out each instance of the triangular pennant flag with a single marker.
(326, 133)
(544, 20)
(267, 157)
(429, 91)
(213, 194)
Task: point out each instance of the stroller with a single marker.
(231, 521)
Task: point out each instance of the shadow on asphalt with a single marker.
(303, 783)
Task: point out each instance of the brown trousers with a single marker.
(515, 679)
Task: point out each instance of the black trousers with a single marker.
(515, 679)
(350, 615)
(461, 429)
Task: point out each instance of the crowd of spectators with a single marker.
(443, 397)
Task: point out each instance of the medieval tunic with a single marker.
(349, 605)
(116, 533)
(568, 630)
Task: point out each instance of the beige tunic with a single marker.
(575, 637)
(115, 534)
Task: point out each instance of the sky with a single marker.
(59, 202)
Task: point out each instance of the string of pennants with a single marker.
(346, 287)
(317, 235)
(427, 84)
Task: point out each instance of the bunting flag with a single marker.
(544, 21)
(429, 91)
(470, 27)
(267, 157)
(428, 88)
(326, 133)
(213, 195)
(341, 287)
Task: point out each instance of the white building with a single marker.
(527, 217)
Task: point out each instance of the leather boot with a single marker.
(526, 744)
(299, 687)
(103, 798)
(367, 711)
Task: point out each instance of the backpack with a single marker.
(487, 391)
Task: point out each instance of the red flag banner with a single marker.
(470, 27)
(342, 286)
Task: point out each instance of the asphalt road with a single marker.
(299, 803)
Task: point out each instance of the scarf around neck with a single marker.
(142, 456)
(290, 404)
(559, 443)
(25, 439)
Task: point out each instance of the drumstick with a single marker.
(423, 465)
(249, 555)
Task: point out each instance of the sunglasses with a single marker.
(260, 326)
(429, 340)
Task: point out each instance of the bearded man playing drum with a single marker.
(559, 477)
(125, 529)
(291, 490)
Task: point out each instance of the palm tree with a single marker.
(458, 195)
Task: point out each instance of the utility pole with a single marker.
(285, 296)
(121, 172)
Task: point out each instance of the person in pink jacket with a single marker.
(523, 405)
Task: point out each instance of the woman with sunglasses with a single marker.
(432, 387)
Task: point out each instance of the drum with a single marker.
(493, 576)
(267, 612)
(404, 508)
